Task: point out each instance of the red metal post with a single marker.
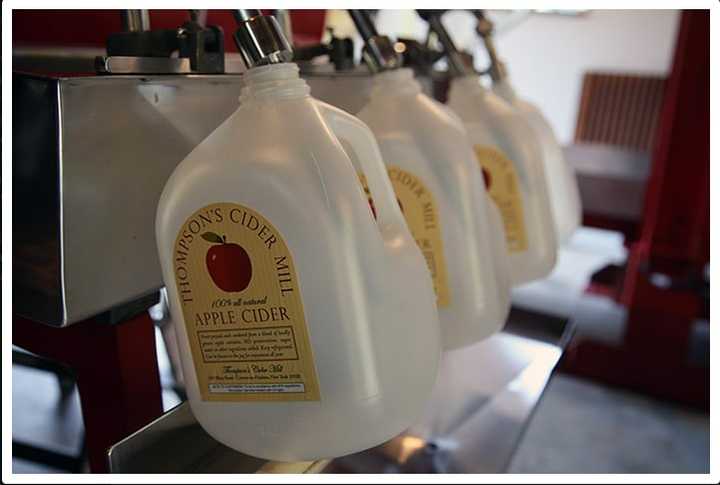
(665, 266)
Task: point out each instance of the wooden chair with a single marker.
(614, 138)
(620, 110)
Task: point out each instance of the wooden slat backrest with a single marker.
(619, 109)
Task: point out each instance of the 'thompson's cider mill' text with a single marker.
(223, 312)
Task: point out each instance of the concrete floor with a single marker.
(585, 427)
(582, 427)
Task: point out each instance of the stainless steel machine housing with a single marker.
(91, 155)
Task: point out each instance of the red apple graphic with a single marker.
(487, 177)
(370, 200)
(228, 264)
(372, 207)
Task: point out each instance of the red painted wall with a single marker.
(91, 27)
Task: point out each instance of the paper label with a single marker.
(242, 307)
(502, 183)
(423, 218)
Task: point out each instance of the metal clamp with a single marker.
(139, 50)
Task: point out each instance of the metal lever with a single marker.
(485, 29)
(379, 53)
(455, 60)
(260, 39)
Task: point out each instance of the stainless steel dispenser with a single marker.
(91, 154)
(349, 87)
(90, 158)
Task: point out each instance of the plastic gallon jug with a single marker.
(561, 180)
(511, 158)
(440, 190)
(307, 327)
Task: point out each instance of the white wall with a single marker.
(547, 55)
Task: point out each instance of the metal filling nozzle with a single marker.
(379, 52)
(260, 39)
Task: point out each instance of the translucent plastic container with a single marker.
(511, 157)
(440, 189)
(307, 327)
(560, 176)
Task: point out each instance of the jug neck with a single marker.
(273, 82)
(395, 82)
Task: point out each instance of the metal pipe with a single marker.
(244, 15)
(135, 20)
(283, 18)
(455, 62)
(202, 18)
(485, 28)
(199, 17)
(363, 24)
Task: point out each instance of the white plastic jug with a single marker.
(441, 191)
(511, 158)
(560, 176)
(307, 327)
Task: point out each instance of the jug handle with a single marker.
(356, 134)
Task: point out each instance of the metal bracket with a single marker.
(340, 50)
(200, 50)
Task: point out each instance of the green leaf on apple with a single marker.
(212, 237)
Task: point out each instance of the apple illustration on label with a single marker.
(487, 177)
(228, 264)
